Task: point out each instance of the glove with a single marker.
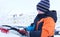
(4, 30)
(23, 32)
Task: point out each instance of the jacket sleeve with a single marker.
(30, 28)
(48, 27)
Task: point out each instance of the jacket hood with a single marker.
(52, 14)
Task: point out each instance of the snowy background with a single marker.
(24, 12)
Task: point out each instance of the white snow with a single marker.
(14, 35)
(10, 34)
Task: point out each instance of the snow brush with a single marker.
(6, 30)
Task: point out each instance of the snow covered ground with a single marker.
(10, 35)
(14, 35)
(19, 20)
(57, 36)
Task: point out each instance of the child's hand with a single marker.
(23, 32)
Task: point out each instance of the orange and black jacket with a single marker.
(44, 25)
